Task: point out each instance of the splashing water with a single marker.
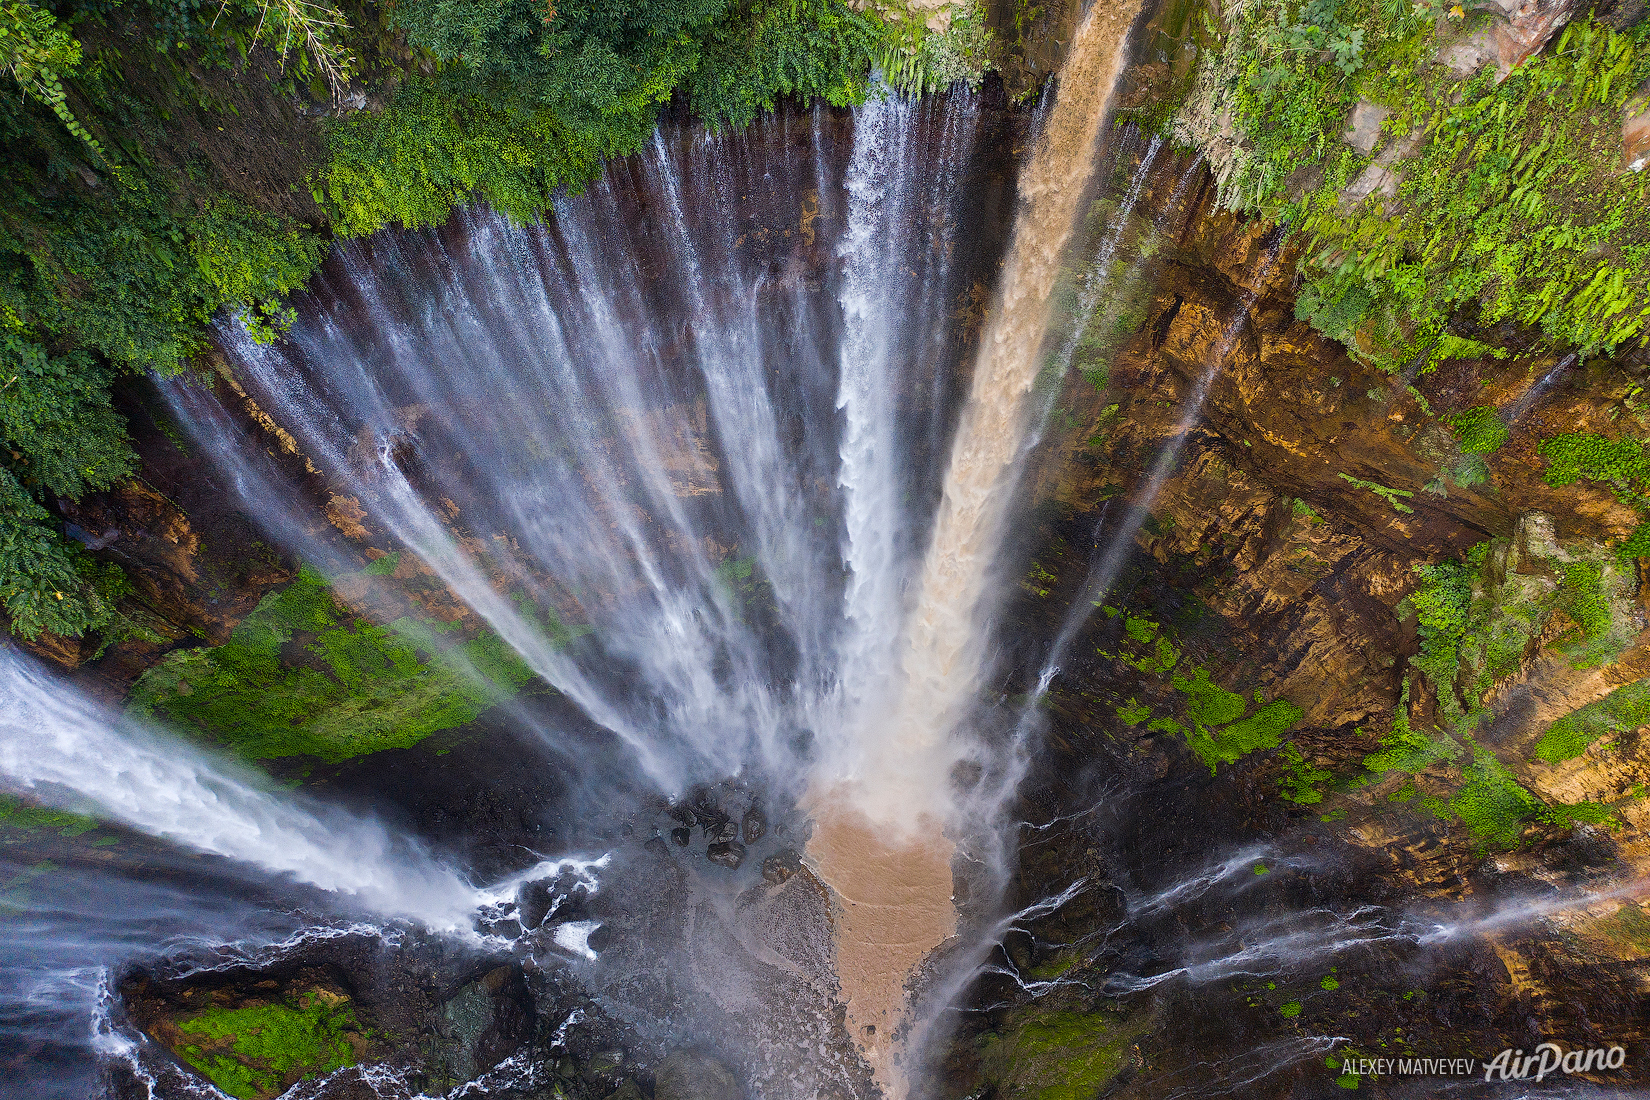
(52, 741)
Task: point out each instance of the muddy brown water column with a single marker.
(879, 838)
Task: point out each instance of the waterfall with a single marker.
(53, 740)
(879, 841)
(697, 496)
(892, 338)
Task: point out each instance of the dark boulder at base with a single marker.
(728, 853)
(688, 1075)
(755, 825)
(780, 867)
(483, 1023)
(681, 837)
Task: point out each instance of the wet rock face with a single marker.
(483, 1023)
(1270, 547)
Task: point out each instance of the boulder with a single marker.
(727, 853)
(689, 1075)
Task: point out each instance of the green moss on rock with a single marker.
(258, 1051)
(1626, 708)
(1057, 1055)
(302, 676)
(1480, 430)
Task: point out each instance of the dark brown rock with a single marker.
(728, 853)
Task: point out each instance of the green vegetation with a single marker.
(1620, 463)
(1626, 708)
(1491, 802)
(24, 817)
(1476, 618)
(1442, 604)
(1214, 725)
(255, 1051)
(1480, 430)
(1289, 1009)
(1056, 1055)
(1133, 712)
(132, 213)
(302, 676)
(1506, 200)
(1391, 496)
(1301, 778)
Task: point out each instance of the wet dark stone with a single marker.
(681, 837)
(725, 833)
(778, 868)
(533, 902)
(688, 1075)
(1018, 946)
(484, 1022)
(656, 845)
(754, 826)
(728, 853)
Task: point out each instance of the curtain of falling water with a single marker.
(644, 417)
(650, 417)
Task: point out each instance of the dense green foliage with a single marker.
(1441, 603)
(1480, 430)
(1504, 200)
(301, 676)
(528, 101)
(269, 1044)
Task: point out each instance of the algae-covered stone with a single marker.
(1058, 1055)
(483, 1023)
(255, 1050)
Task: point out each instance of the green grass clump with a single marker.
(1480, 431)
(301, 676)
(1133, 712)
(1139, 628)
(1394, 497)
(1207, 703)
(270, 1044)
(1626, 708)
(25, 817)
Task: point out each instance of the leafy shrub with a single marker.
(1480, 431)
(1442, 604)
